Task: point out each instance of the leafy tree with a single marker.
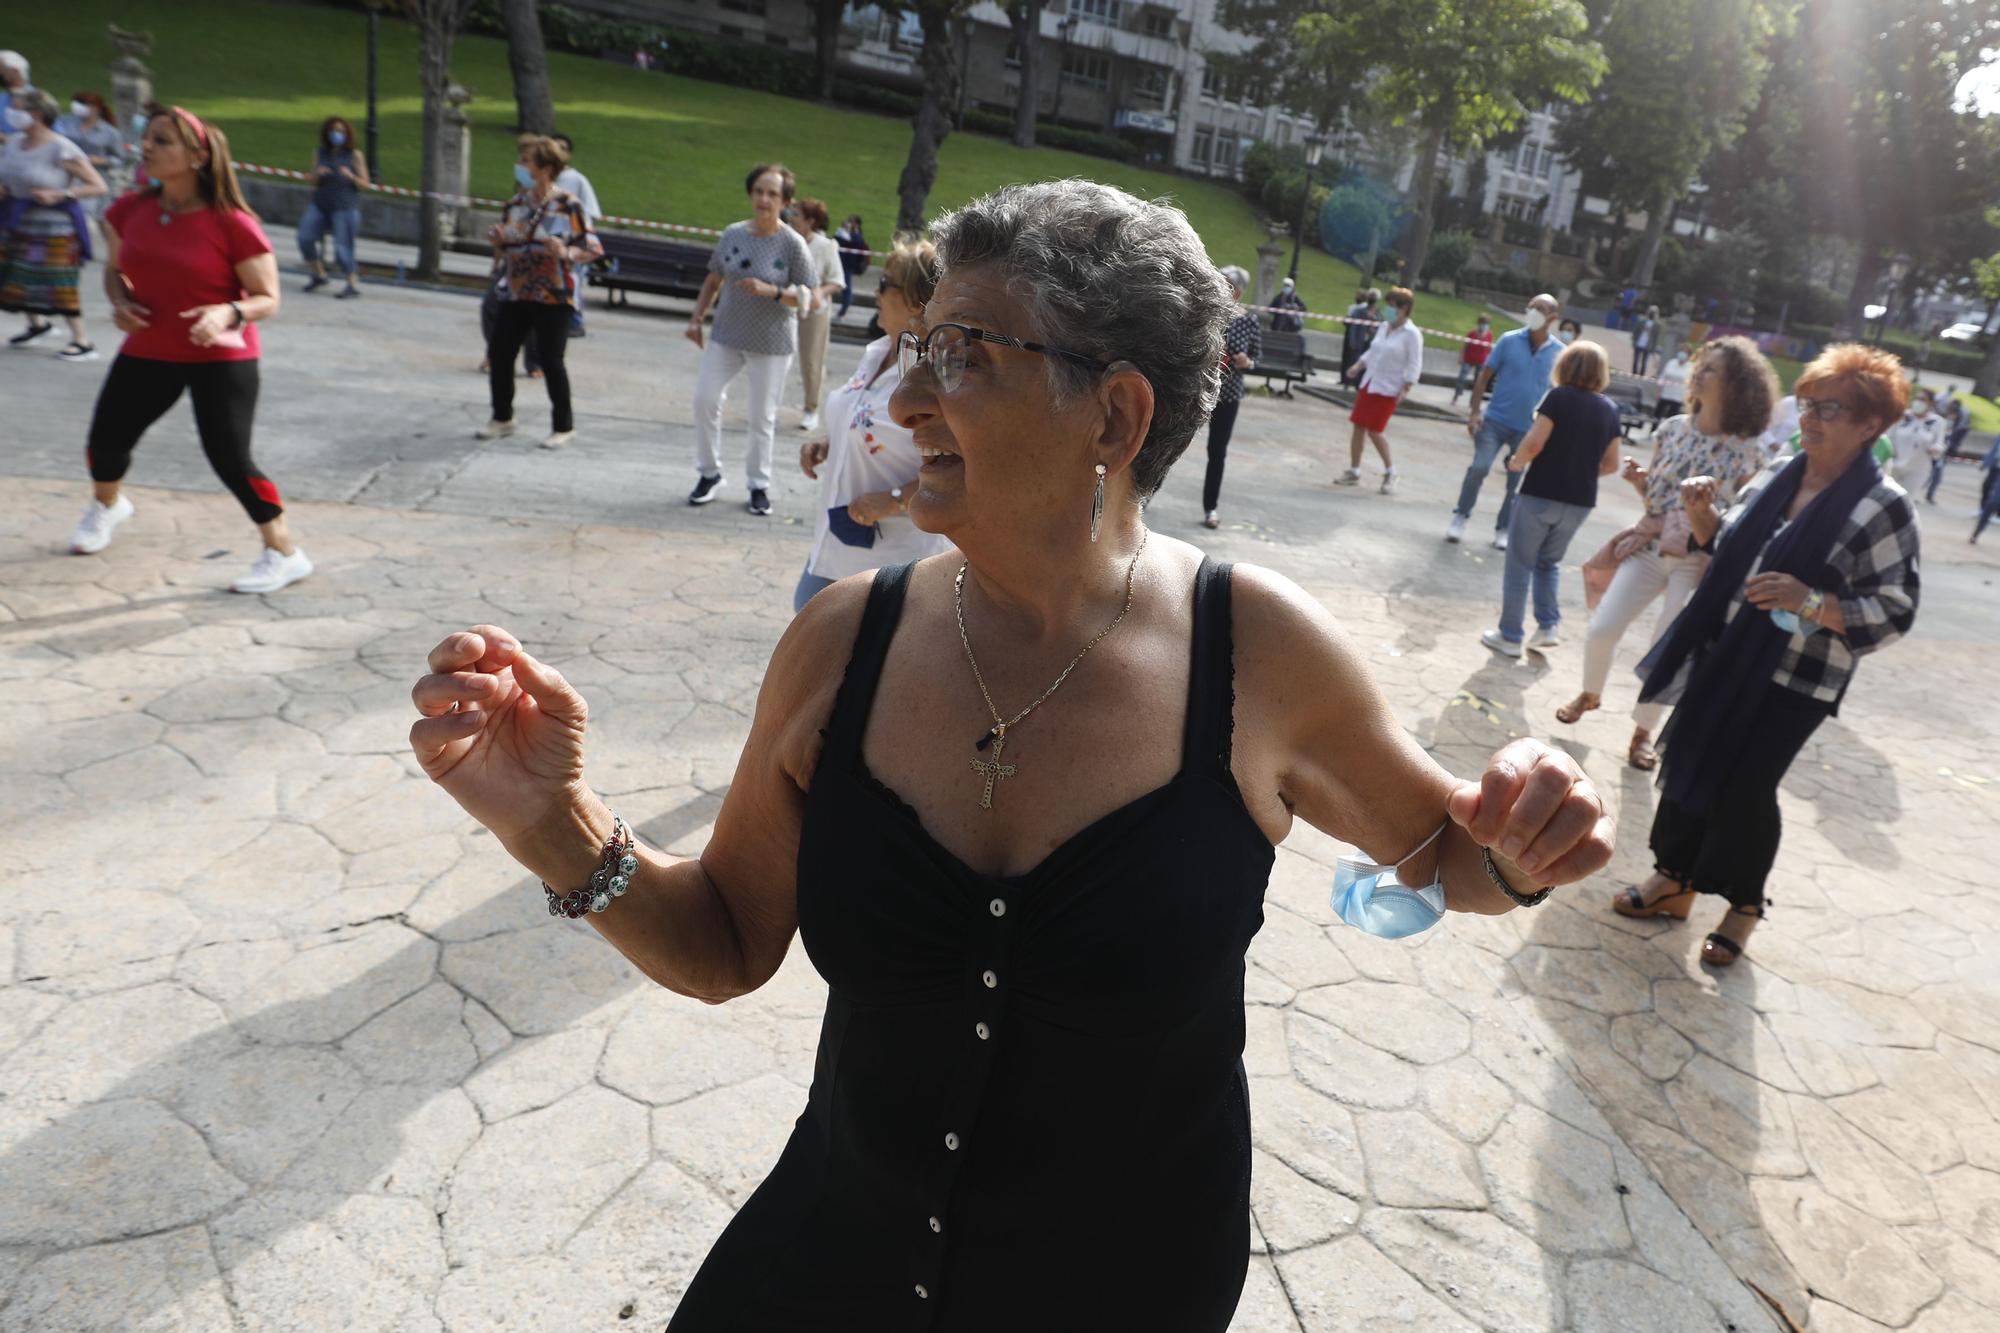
(1986, 281)
(438, 23)
(1685, 75)
(1025, 18)
(528, 61)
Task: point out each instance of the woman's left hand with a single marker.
(872, 508)
(210, 323)
(1780, 590)
(1534, 807)
(555, 246)
(47, 198)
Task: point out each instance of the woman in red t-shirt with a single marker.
(189, 272)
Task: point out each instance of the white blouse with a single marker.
(1394, 361)
(866, 451)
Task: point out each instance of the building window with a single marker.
(745, 6)
(1150, 85)
(1087, 69)
(1211, 82)
(776, 39)
(1104, 12)
(729, 30)
(1225, 153)
(1547, 166)
(1014, 54)
(1204, 145)
(1284, 132)
(1157, 23)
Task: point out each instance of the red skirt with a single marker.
(1372, 410)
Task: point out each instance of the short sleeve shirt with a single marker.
(23, 169)
(1566, 468)
(757, 324)
(1242, 335)
(1520, 378)
(187, 261)
(533, 272)
(1683, 452)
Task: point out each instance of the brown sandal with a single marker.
(1641, 755)
(1718, 950)
(1630, 902)
(1573, 711)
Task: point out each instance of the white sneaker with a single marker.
(1500, 540)
(559, 440)
(274, 571)
(494, 430)
(810, 421)
(1505, 647)
(93, 530)
(1211, 519)
(1455, 530)
(1544, 638)
(1351, 477)
(1389, 482)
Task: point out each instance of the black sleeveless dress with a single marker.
(1028, 1110)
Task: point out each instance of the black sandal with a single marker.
(1719, 950)
(29, 334)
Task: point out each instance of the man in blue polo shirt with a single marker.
(1510, 385)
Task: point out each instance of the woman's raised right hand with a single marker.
(811, 454)
(1698, 495)
(500, 731)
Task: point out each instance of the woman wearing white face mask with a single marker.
(1392, 363)
(44, 237)
(88, 126)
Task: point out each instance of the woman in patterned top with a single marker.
(1732, 391)
(542, 235)
(760, 276)
(1814, 567)
(1242, 344)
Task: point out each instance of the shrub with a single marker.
(1449, 253)
(1498, 280)
(1353, 219)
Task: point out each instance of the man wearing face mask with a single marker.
(13, 86)
(1510, 386)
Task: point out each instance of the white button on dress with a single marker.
(923, 1293)
(983, 1031)
(951, 1143)
(998, 907)
(936, 1226)
(990, 978)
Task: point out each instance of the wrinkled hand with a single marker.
(130, 316)
(1243, 361)
(1534, 807)
(1698, 496)
(811, 454)
(1634, 471)
(696, 334)
(47, 198)
(1772, 589)
(512, 753)
(756, 287)
(210, 323)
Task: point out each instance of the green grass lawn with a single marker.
(656, 146)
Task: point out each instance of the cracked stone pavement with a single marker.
(286, 1042)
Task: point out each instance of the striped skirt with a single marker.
(38, 272)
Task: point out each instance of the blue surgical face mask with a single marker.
(523, 177)
(1369, 897)
(336, 138)
(1788, 621)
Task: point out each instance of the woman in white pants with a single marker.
(1731, 393)
(808, 219)
(763, 275)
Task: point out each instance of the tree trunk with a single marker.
(528, 58)
(1025, 17)
(1658, 211)
(1417, 248)
(826, 42)
(933, 120)
(1987, 383)
(1867, 277)
(433, 73)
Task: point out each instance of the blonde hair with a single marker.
(215, 180)
(544, 152)
(913, 266)
(1583, 365)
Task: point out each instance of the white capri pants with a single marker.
(1642, 577)
(720, 366)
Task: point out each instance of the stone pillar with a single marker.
(1497, 232)
(1547, 240)
(1270, 259)
(455, 161)
(131, 81)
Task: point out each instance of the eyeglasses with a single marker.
(886, 285)
(1825, 409)
(943, 349)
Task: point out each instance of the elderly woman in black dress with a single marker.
(1024, 829)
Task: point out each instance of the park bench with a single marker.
(1629, 396)
(1284, 358)
(653, 264)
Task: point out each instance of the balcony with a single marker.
(1146, 122)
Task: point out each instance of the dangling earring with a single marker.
(1097, 503)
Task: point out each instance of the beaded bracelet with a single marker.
(1520, 899)
(611, 879)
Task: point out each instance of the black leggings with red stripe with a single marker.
(138, 392)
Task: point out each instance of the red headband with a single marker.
(194, 123)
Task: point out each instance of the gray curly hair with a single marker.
(1115, 278)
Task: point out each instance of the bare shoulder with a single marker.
(1275, 620)
(805, 672)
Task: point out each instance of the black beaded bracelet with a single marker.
(1520, 899)
(611, 879)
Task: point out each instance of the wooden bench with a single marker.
(657, 265)
(1284, 358)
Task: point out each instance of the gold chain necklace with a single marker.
(992, 769)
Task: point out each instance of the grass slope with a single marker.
(656, 146)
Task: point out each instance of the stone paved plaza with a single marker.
(286, 1043)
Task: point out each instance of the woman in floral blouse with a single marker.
(1731, 394)
(541, 236)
